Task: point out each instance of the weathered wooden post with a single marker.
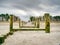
(19, 23)
(38, 22)
(11, 23)
(35, 22)
(47, 22)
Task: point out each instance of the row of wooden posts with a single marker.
(37, 24)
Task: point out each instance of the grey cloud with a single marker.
(29, 3)
(26, 5)
(55, 2)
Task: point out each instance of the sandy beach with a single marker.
(32, 37)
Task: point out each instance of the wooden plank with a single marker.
(27, 26)
(29, 29)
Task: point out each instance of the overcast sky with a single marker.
(30, 7)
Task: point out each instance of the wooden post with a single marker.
(38, 23)
(47, 22)
(35, 22)
(19, 23)
(11, 23)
